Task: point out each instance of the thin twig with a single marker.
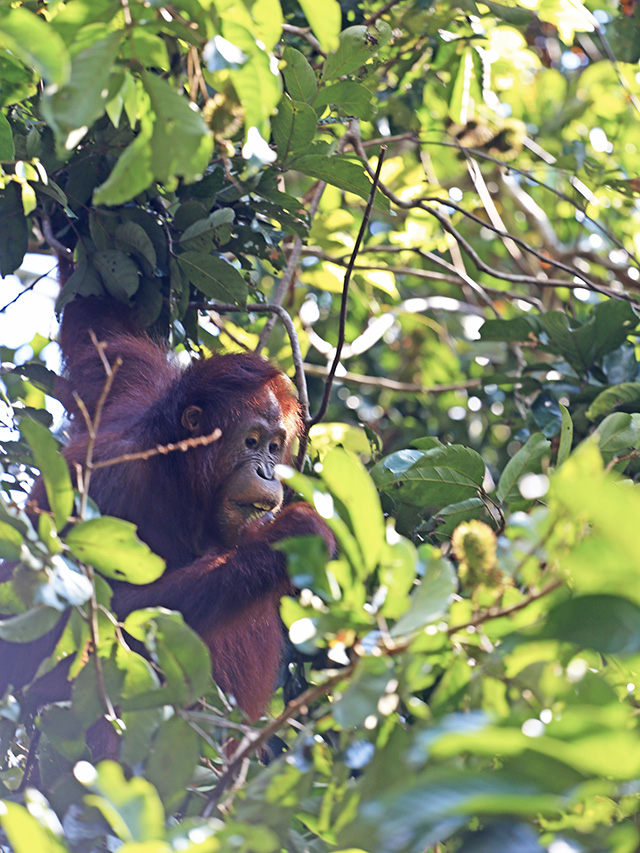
(287, 322)
(345, 293)
(159, 450)
(497, 612)
(391, 384)
(292, 267)
(251, 743)
(28, 288)
(306, 34)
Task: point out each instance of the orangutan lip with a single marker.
(254, 509)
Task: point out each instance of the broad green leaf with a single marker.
(36, 43)
(10, 542)
(53, 469)
(118, 272)
(131, 807)
(627, 393)
(268, 20)
(214, 277)
(181, 143)
(132, 173)
(7, 150)
(299, 76)
(30, 625)
(172, 762)
(606, 623)
(341, 172)
(181, 654)
(211, 231)
(350, 483)
(430, 602)
(134, 239)
(84, 280)
(349, 97)
(566, 436)
(14, 233)
(449, 517)
(325, 436)
(528, 460)
(25, 833)
(617, 434)
(73, 108)
(440, 476)
(526, 328)
(325, 20)
(111, 546)
(294, 127)
(357, 45)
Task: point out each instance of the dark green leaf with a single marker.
(30, 625)
(299, 76)
(341, 172)
(628, 394)
(7, 150)
(357, 45)
(53, 468)
(430, 602)
(528, 460)
(349, 97)
(14, 234)
(294, 127)
(36, 43)
(134, 239)
(214, 277)
(172, 762)
(118, 272)
(608, 624)
(566, 436)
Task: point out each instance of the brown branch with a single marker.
(287, 322)
(159, 450)
(497, 612)
(391, 384)
(292, 267)
(343, 307)
(389, 5)
(249, 744)
(306, 34)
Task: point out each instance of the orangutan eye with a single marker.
(251, 442)
(274, 447)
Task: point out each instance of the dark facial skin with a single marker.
(251, 491)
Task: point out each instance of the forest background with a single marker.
(439, 203)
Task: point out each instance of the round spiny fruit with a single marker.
(474, 546)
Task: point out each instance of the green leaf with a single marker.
(118, 272)
(299, 76)
(617, 434)
(212, 229)
(25, 833)
(111, 546)
(467, 91)
(349, 97)
(132, 172)
(30, 625)
(172, 762)
(349, 481)
(14, 233)
(7, 149)
(437, 477)
(525, 328)
(36, 43)
(528, 460)
(84, 280)
(430, 602)
(566, 436)
(356, 46)
(606, 623)
(294, 127)
(10, 542)
(627, 393)
(325, 20)
(181, 144)
(341, 172)
(134, 239)
(179, 651)
(53, 469)
(214, 277)
(131, 807)
(72, 109)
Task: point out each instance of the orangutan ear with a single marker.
(191, 418)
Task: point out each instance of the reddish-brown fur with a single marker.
(230, 596)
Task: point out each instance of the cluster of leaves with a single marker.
(476, 643)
